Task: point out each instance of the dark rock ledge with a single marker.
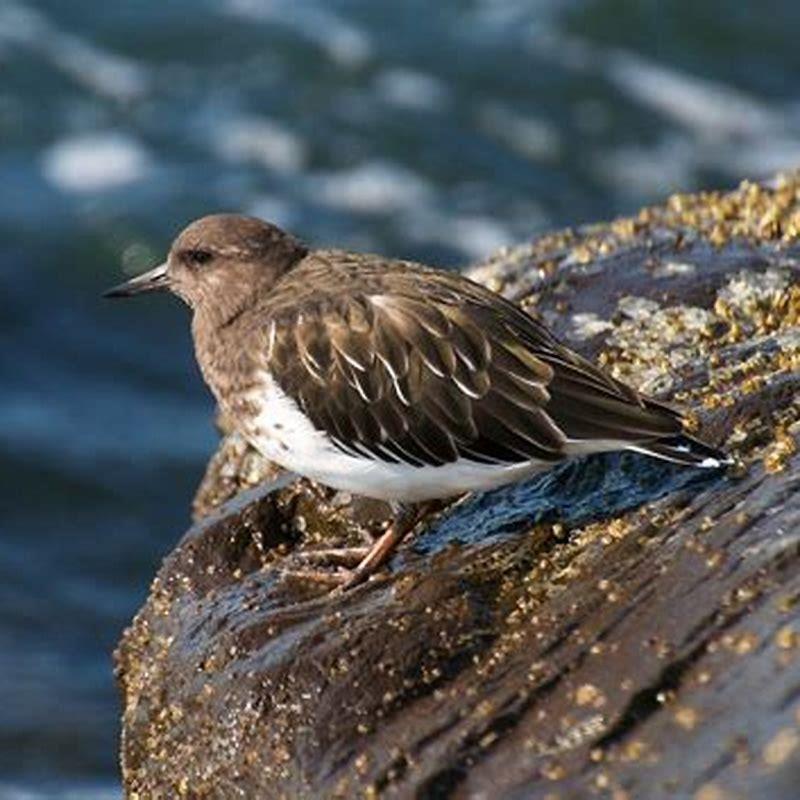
(618, 630)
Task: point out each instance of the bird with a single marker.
(392, 379)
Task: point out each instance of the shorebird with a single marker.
(391, 379)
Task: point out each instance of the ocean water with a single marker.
(438, 131)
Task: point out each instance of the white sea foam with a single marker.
(707, 106)
(707, 123)
(99, 70)
(756, 157)
(473, 235)
(672, 161)
(261, 141)
(344, 43)
(649, 170)
(476, 236)
(373, 187)
(532, 137)
(508, 19)
(410, 89)
(95, 162)
(277, 210)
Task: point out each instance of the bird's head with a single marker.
(219, 262)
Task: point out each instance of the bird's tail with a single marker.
(684, 449)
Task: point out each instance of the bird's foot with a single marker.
(354, 565)
(328, 579)
(334, 556)
(338, 568)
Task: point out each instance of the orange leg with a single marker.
(361, 562)
(406, 518)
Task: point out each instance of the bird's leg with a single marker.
(348, 556)
(361, 561)
(405, 519)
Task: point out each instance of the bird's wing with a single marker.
(394, 375)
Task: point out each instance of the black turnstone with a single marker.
(391, 379)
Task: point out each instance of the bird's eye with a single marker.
(197, 257)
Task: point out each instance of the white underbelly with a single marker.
(403, 482)
(394, 481)
(286, 436)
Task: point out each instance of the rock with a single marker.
(617, 628)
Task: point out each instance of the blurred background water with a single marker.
(437, 131)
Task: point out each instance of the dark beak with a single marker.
(153, 280)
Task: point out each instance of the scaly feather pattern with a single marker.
(404, 364)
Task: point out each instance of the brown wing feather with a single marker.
(429, 368)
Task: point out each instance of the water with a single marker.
(437, 131)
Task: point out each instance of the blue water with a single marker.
(429, 130)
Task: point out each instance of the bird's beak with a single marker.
(153, 280)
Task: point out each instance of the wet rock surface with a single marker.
(616, 628)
